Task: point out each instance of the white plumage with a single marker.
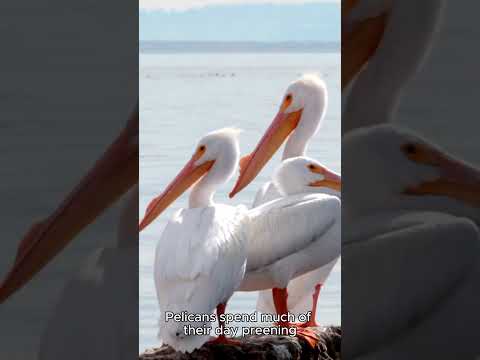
(292, 177)
(95, 308)
(412, 241)
(201, 255)
(200, 267)
(414, 219)
(199, 263)
(405, 42)
(298, 120)
(283, 233)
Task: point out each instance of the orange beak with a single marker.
(330, 180)
(359, 45)
(457, 180)
(111, 177)
(281, 127)
(188, 176)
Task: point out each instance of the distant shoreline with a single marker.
(179, 47)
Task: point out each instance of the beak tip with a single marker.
(235, 190)
(4, 292)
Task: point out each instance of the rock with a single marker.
(261, 348)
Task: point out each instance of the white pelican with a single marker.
(201, 255)
(296, 176)
(281, 238)
(299, 118)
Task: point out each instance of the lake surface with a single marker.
(184, 96)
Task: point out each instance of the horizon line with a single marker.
(172, 46)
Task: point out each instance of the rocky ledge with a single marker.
(261, 348)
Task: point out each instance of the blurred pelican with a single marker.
(412, 242)
(384, 45)
(111, 177)
(96, 305)
(412, 209)
(93, 318)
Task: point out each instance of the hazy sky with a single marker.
(187, 4)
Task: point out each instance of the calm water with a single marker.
(183, 97)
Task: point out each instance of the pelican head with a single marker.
(398, 168)
(305, 175)
(213, 163)
(299, 117)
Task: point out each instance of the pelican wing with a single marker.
(412, 270)
(286, 238)
(266, 193)
(200, 261)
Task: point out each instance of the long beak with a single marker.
(112, 176)
(330, 180)
(359, 45)
(457, 180)
(188, 176)
(250, 165)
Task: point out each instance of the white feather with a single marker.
(200, 261)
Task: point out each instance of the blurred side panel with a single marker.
(69, 250)
(411, 189)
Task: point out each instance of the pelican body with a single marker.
(413, 209)
(384, 45)
(101, 293)
(208, 251)
(201, 255)
(414, 218)
(93, 313)
(296, 176)
(297, 121)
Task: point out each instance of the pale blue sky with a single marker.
(188, 4)
(241, 20)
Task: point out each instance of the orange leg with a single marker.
(222, 339)
(280, 301)
(280, 297)
(312, 322)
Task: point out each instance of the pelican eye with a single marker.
(289, 97)
(410, 149)
(312, 167)
(202, 148)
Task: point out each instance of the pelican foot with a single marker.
(309, 336)
(310, 323)
(285, 324)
